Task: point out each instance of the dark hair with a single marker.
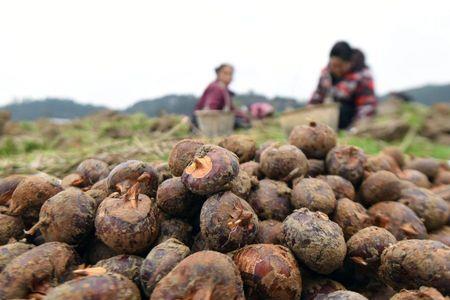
(219, 68)
(342, 50)
(358, 60)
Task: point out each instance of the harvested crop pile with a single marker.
(160, 261)
(424, 293)
(396, 154)
(341, 187)
(203, 275)
(96, 250)
(268, 272)
(66, 217)
(428, 166)
(270, 232)
(182, 155)
(416, 177)
(7, 187)
(87, 173)
(380, 186)
(103, 286)
(314, 285)
(442, 235)
(252, 169)
(312, 219)
(315, 240)
(283, 162)
(10, 228)
(342, 295)
(128, 173)
(411, 264)
(48, 264)
(174, 198)
(242, 184)
(177, 229)
(227, 222)
(364, 248)
(126, 265)
(30, 194)
(432, 209)
(380, 162)
(271, 200)
(315, 167)
(243, 146)
(347, 162)
(398, 219)
(351, 217)
(315, 140)
(211, 169)
(314, 194)
(10, 251)
(128, 223)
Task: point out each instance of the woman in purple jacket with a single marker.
(217, 96)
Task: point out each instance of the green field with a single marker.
(56, 149)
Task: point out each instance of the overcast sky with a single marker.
(117, 52)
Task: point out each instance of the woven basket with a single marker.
(325, 113)
(215, 122)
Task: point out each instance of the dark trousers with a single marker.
(347, 114)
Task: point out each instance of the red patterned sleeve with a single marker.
(322, 88)
(365, 99)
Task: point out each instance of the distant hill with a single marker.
(175, 104)
(184, 104)
(427, 94)
(49, 108)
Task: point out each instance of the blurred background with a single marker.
(64, 61)
(114, 53)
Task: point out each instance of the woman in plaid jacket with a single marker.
(347, 80)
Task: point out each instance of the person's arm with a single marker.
(323, 86)
(365, 100)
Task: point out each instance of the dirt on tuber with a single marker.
(7, 187)
(270, 232)
(10, 251)
(432, 209)
(283, 162)
(314, 139)
(351, 217)
(160, 261)
(268, 272)
(47, 264)
(29, 196)
(314, 194)
(10, 228)
(227, 222)
(211, 170)
(411, 264)
(67, 217)
(126, 265)
(271, 200)
(182, 155)
(398, 219)
(365, 247)
(315, 240)
(127, 224)
(99, 286)
(341, 187)
(380, 186)
(243, 146)
(202, 275)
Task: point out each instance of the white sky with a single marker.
(117, 52)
